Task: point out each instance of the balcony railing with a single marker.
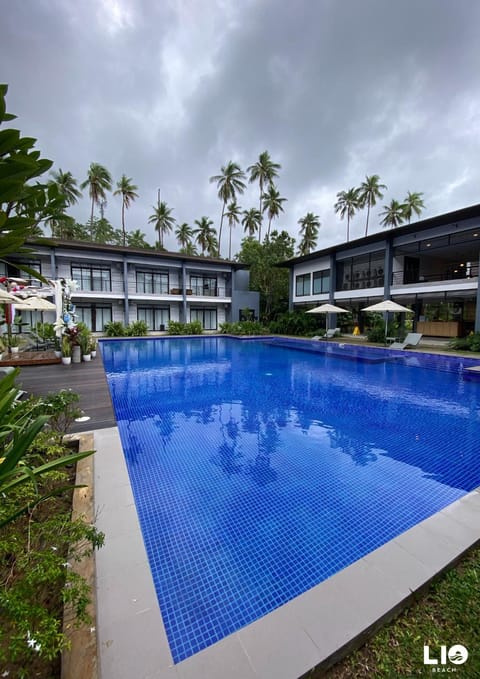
(451, 274)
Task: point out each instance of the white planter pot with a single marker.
(14, 350)
(58, 354)
(93, 354)
(66, 360)
(87, 357)
(76, 354)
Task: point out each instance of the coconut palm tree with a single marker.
(233, 216)
(413, 203)
(67, 186)
(127, 190)
(189, 249)
(347, 204)
(99, 181)
(370, 190)
(162, 221)
(138, 239)
(309, 224)
(206, 236)
(251, 221)
(229, 183)
(264, 171)
(184, 234)
(393, 214)
(272, 204)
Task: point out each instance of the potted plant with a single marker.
(93, 347)
(66, 351)
(84, 342)
(57, 347)
(14, 344)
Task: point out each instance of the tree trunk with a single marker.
(123, 223)
(368, 214)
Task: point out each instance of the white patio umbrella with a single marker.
(327, 309)
(386, 306)
(36, 304)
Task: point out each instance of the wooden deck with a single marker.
(87, 379)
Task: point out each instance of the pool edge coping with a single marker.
(357, 600)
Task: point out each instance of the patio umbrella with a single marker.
(36, 304)
(385, 307)
(327, 309)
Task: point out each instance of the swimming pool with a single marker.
(259, 469)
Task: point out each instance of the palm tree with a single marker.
(251, 221)
(370, 190)
(347, 204)
(67, 186)
(189, 249)
(272, 204)
(413, 203)
(127, 190)
(233, 216)
(393, 214)
(229, 183)
(309, 232)
(99, 181)
(162, 221)
(137, 239)
(205, 235)
(184, 234)
(264, 171)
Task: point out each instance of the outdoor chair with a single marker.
(411, 340)
(37, 343)
(328, 335)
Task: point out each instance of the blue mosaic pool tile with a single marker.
(259, 470)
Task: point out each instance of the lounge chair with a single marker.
(411, 340)
(328, 335)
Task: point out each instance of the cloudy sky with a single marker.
(168, 91)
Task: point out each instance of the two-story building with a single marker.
(430, 266)
(127, 284)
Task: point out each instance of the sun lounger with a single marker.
(411, 340)
(328, 335)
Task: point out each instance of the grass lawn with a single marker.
(448, 614)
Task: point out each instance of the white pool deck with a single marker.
(285, 644)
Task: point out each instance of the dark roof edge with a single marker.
(120, 249)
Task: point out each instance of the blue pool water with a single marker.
(262, 467)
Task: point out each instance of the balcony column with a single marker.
(388, 267)
(477, 311)
(53, 264)
(333, 276)
(291, 288)
(125, 290)
(184, 296)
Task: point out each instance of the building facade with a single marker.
(128, 284)
(430, 266)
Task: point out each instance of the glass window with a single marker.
(152, 282)
(321, 282)
(207, 317)
(155, 318)
(92, 279)
(95, 317)
(302, 285)
(204, 285)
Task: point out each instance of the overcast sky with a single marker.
(168, 91)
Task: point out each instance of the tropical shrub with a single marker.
(114, 329)
(177, 328)
(295, 323)
(243, 328)
(137, 329)
(377, 332)
(46, 331)
(469, 343)
(38, 540)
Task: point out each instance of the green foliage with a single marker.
(20, 424)
(114, 329)
(137, 329)
(177, 328)
(61, 408)
(243, 328)
(272, 282)
(469, 343)
(46, 331)
(377, 332)
(23, 202)
(296, 323)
